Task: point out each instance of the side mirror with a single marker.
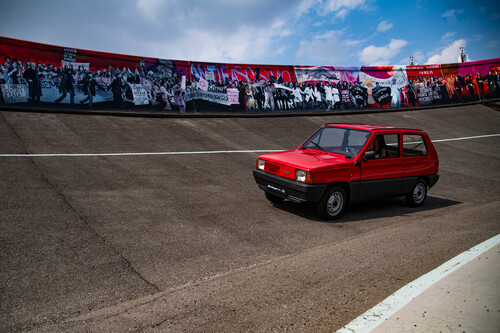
(369, 155)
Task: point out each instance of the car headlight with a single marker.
(260, 164)
(303, 176)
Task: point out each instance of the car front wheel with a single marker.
(333, 203)
(417, 195)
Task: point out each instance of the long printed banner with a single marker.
(33, 73)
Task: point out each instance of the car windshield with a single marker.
(338, 140)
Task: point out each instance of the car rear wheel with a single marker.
(333, 203)
(417, 195)
(273, 198)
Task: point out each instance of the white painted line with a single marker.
(199, 152)
(372, 318)
(467, 138)
(141, 154)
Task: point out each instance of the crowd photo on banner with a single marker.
(34, 74)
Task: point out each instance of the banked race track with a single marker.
(140, 224)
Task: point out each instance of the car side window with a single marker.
(385, 146)
(414, 145)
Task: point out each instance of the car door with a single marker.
(382, 170)
(417, 161)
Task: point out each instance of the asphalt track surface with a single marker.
(187, 242)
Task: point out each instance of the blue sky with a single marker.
(284, 32)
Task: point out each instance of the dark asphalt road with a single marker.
(172, 243)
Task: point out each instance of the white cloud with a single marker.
(336, 5)
(449, 13)
(381, 55)
(452, 13)
(245, 44)
(448, 54)
(149, 8)
(329, 50)
(493, 44)
(216, 31)
(328, 34)
(340, 8)
(279, 30)
(305, 6)
(319, 23)
(351, 42)
(341, 14)
(418, 57)
(447, 36)
(384, 26)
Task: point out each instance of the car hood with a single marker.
(307, 159)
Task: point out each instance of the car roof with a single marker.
(366, 127)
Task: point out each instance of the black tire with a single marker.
(273, 198)
(333, 203)
(418, 193)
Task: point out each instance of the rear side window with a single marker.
(385, 146)
(414, 145)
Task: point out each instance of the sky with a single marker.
(278, 32)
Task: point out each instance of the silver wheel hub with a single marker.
(419, 193)
(335, 204)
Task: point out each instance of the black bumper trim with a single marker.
(433, 180)
(287, 188)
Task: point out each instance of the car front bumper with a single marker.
(288, 188)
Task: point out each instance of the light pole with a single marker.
(463, 56)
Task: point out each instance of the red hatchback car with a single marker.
(341, 163)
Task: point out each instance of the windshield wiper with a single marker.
(317, 145)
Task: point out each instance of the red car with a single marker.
(341, 163)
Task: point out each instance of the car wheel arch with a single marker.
(333, 201)
(414, 198)
(344, 185)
